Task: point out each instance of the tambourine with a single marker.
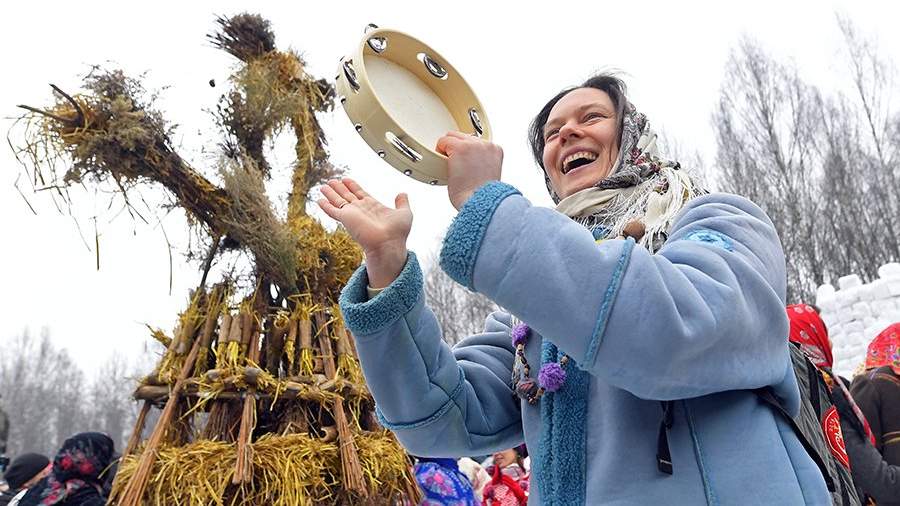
(402, 96)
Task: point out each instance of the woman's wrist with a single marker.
(384, 264)
(459, 199)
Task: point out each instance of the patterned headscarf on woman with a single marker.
(76, 476)
(809, 331)
(640, 186)
(885, 349)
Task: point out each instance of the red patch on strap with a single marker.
(831, 427)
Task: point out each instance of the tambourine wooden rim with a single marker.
(380, 128)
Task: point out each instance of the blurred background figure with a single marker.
(877, 480)
(476, 474)
(76, 478)
(4, 430)
(877, 392)
(23, 472)
(442, 483)
(509, 479)
(820, 418)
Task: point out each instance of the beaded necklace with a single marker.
(550, 378)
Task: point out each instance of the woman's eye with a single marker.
(593, 116)
(551, 134)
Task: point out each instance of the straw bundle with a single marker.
(288, 470)
(262, 359)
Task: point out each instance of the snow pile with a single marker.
(856, 312)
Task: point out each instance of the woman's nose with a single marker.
(569, 130)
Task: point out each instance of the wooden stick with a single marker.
(135, 438)
(294, 389)
(225, 328)
(247, 327)
(305, 331)
(243, 466)
(209, 327)
(342, 346)
(275, 345)
(134, 490)
(234, 335)
(350, 466)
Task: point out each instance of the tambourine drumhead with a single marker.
(402, 96)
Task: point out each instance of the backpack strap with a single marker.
(845, 495)
(765, 394)
(813, 377)
(663, 455)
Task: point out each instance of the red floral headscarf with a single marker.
(885, 349)
(809, 331)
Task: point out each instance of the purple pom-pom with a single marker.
(552, 376)
(520, 334)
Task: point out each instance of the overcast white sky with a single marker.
(515, 56)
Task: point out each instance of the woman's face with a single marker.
(505, 458)
(581, 140)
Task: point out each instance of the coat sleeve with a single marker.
(865, 393)
(440, 402)
(870, 472)
(703, 315)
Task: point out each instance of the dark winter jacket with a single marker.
(820, 424)
(4, 431)
(7, 496)
(873, 476)
(877, 392)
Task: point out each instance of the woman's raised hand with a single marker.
(380, 230)
(471, 163)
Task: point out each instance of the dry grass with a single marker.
(289, 470)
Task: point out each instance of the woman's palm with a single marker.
(372, 224)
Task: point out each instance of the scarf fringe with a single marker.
(655, 203)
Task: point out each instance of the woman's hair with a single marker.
(521, 453)
(606, 82)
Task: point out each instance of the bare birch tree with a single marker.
(459, 311)
(43, 395)
(824, 166)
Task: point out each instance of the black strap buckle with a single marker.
(663, 455)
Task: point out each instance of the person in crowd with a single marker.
(4, 430)
(642, 316)
(878, 480)
(23, 472)
(819, 418)
(76, 477)
(877, 392)
(442, 483)
(509, 479)
(476, 474)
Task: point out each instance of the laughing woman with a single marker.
(641, 318)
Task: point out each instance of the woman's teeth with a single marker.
(578, 159)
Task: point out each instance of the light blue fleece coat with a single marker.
(701, 322)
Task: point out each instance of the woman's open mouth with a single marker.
(578, 160)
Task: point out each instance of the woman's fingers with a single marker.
(355, 188)
(333, 198)
(329, 208)
(341, 189)
(446, 144)
(401, 201)
(451, 140)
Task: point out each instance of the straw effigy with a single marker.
(262, 397)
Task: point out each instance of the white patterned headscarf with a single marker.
(640, 187)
